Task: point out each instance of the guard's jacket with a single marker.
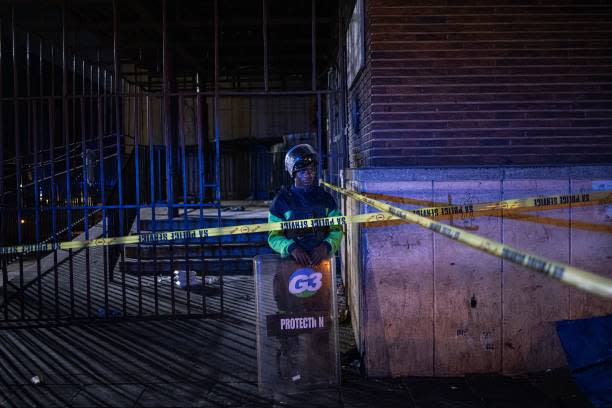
(294, 203)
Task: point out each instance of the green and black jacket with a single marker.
(297, 204)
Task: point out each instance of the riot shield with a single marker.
(297, 327)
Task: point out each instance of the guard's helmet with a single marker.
(299, 157)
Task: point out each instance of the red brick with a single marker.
(486, 82)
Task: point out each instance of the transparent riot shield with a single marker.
(297, 327)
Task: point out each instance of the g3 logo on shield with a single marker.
(305, 282)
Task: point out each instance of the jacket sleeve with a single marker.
(335, 233)
(277, 240)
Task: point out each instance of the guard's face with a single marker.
(306, 176)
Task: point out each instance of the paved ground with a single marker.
(212, 362)
(197, 363)
(206, 362)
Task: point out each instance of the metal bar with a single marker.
(254, 93)
(5, 288)
(126, 120)
(159, 169)
(165, 112)
(17, 159)
(332, 161)
(342, 91)
(129, 206)
(41, 93)
(101, 120)
(28, 95)
(167, 138)
(91, 101)
(51, 104)
(202, 182)
(313, 40)
(86, 203)
(136, 117)
(52, 71)
(67, 145)
(152, 183)
(103, 117)
(74, 98)
(218, 148)
(32, 127)
(185, 215)
(222, 93)
(37, 199)
(3, 215)
(265, 41)
(118, 129)
(319, 138)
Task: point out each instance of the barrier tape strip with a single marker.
(567, 274)
(518, 210)
(166, 237)
(512, 209)
(532, 203)
(540, 202)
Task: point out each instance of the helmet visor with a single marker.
(303, 163)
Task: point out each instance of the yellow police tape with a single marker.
(540, 202)
(514, 209)
(567, 274)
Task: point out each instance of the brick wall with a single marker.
(485, 82)
(360, 133)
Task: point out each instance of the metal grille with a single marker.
(91, 150)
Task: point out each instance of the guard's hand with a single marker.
(319, 254)
(300, 256)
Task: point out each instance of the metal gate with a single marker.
(95, 147)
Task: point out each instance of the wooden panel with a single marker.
(467, 288)
(590, 250)
(532, 302)
(399, 291)
(352, 268)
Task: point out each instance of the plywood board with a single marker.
(352, 273)
(532, 302)
(398, 281)
(590, 250)
(467, 287)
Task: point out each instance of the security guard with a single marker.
(304, 358)
(303, 200)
